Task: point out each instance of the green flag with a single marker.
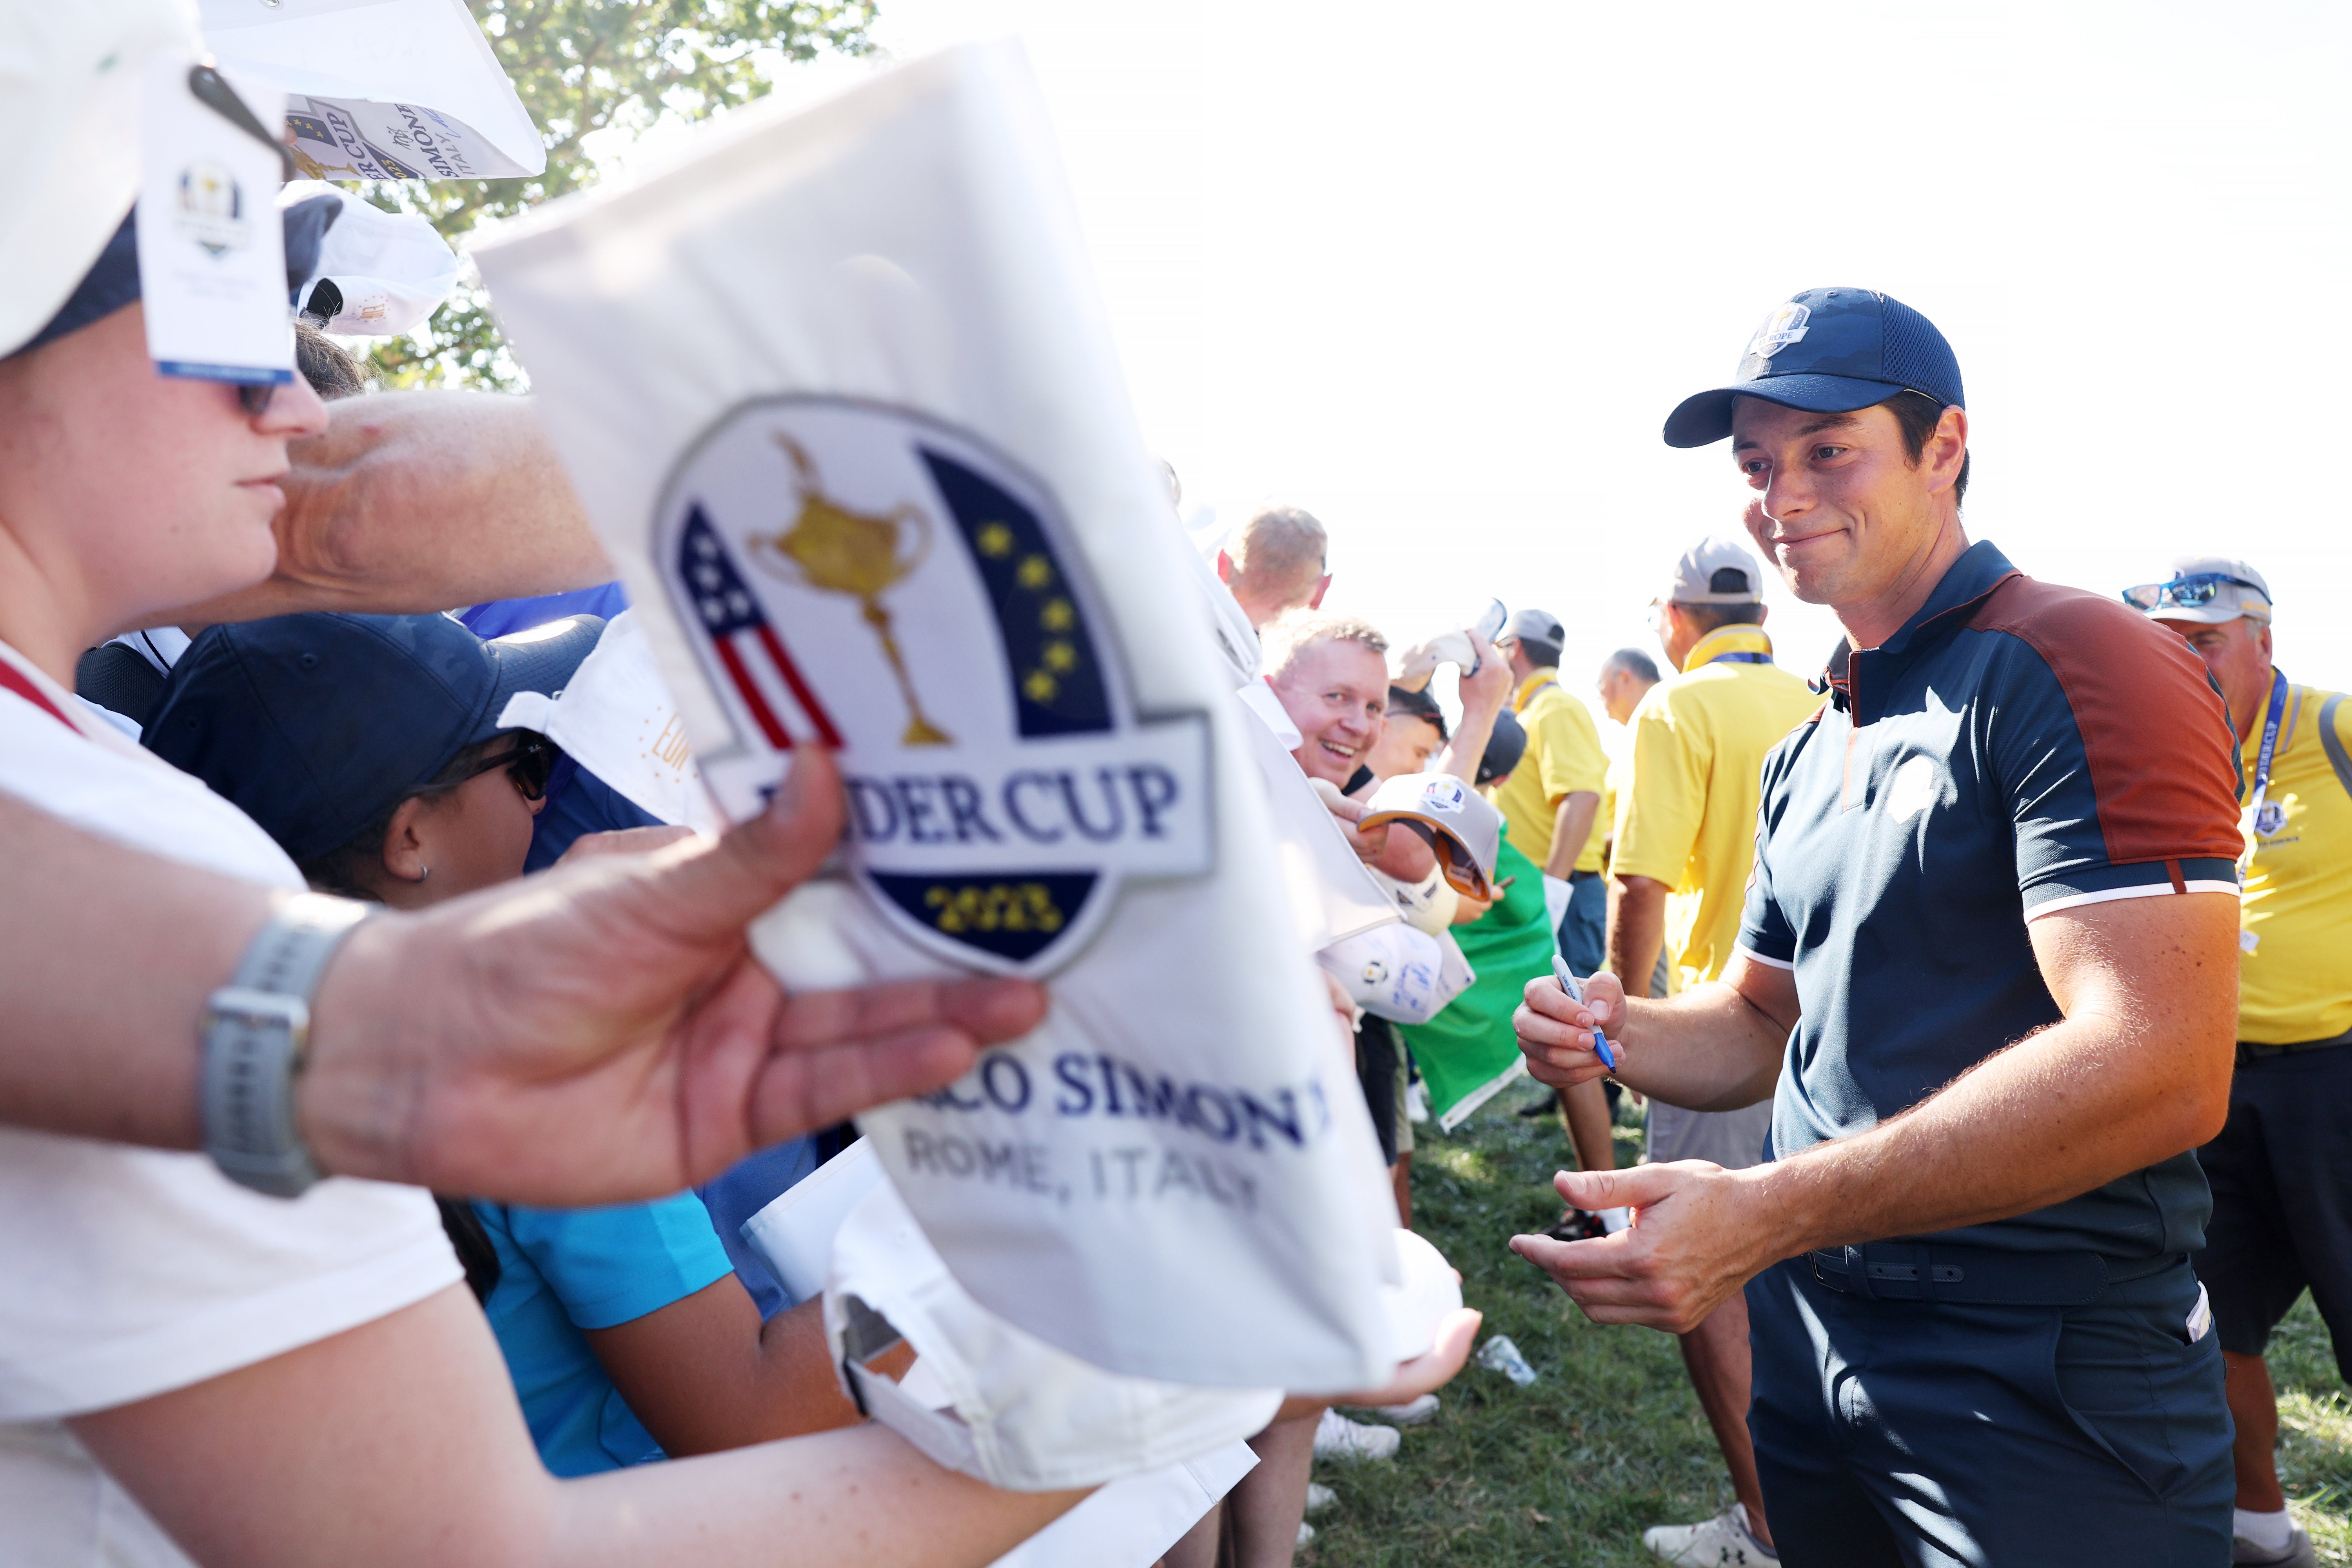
(1469, 1051)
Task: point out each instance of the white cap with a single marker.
(2248, 596)
(70, 82)
(1399, 973)
(1458, 823)
(388, 272)
(1011, 1409)
(1715, 572)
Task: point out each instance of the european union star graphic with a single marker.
(1058, 682)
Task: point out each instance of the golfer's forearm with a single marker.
(1637, 930)
(1710, 1048)
(862, 1495)
(110, 954)
(1570, 827)
(416, 501)
(2060, 1113)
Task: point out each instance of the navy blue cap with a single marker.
(316, 725)
(1828, 351)
(112, 280)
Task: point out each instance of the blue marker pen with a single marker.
(1608, 1053)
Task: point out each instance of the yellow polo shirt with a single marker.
(1686, 805)
(1563, 756)
(2294, 983)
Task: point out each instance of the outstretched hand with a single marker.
(603, 1033)
(1692, 1242)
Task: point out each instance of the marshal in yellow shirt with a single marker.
(2295, 981)
(1563, 756)
(1687, 807)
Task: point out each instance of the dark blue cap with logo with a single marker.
(316, 725)
(1828, 351)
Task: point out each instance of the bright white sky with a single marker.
(1438, 273)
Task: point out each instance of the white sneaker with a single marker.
(2298, 1553)
(1320, 1497)
(1723, 1542)
(1336, 1438)
(1305, 1533)
(1414, 1412)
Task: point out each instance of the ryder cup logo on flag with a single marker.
(870, 580)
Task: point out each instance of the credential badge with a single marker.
(863, 578)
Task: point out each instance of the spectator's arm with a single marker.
(1637, 930)
(592, 1035)
(1484, 695)
(416, 501)
(398, 1443)
(1571, 826)
(704, 1373)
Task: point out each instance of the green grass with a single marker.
(1610, 1440)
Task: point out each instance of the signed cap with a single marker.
(1458, 823)
(1828, 350)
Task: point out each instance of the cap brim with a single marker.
(1706, 417)
(543, 659)
(2204, 614)
(1458, 860)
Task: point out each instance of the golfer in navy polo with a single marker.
(1988, 976)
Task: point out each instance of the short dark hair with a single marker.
(1634, 662)
(1918, 415)
(1540, 654)
(1714, 617)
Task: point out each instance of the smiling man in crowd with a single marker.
(2282, 1168)
(1987, 973)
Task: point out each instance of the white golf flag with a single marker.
(840, 398)
(381, 89)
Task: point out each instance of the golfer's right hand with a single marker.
(1556, 1032)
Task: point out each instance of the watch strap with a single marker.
(256, 1033)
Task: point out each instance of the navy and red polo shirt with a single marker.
(2016, 749)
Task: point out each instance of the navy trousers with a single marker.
(1919, 1433)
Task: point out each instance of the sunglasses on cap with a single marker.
(2184, 593)
(531, 760)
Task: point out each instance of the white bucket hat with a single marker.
(379, 274)
(69, 84)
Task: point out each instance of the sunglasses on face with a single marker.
(531, 760)
(2184, 593)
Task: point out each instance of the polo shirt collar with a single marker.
(1530, 686)
(1980, 569)
(1739, 639)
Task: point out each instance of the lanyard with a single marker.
(2270, 744)
(12, 681)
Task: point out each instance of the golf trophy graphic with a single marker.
(837, 550)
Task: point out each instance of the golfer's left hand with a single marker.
(1694, 1239)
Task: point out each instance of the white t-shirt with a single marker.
(130, 1272)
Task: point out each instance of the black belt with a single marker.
(1976, 1276)
(2250, 1052)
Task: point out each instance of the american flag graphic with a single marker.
(763, 673)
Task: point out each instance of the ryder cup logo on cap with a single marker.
(1444, 793)
(866, 579)
(1828, 350)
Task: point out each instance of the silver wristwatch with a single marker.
(257, 1032)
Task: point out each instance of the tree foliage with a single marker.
(582, 66)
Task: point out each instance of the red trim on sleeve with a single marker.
(2163, 758)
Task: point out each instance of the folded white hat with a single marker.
(1430, 1290)
(1399, 973)
(69, 84)
(379, 274)
(1459, 824)
(1017, 1413)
